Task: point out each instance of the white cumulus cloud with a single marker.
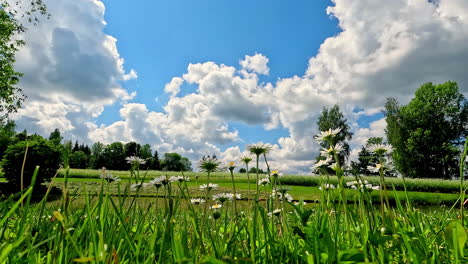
(256, 63)
(385, 49)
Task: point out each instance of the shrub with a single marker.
(40, 153)
(254, 170)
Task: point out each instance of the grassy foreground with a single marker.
(97, 227)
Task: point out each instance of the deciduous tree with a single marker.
(428, 132)
(333, 119)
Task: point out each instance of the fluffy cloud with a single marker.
(71, 69)
(381, 51)
(174, 86)
(256, 63)
(189, 137)
(375, 129)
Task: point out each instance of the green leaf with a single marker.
(84, 259)
(352, 255)
(455, 235)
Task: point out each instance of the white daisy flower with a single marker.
(134, 160)
(327, 186)
(380, 149)
(264, 181)
(137, 186)
(327, 135)
(197, 200)
(375, 168)
(223, 197)
(178, 179)
(216, 206)
(282, 196)
(276, 173)
(209, 186)
(321, 163)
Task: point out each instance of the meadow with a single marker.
(211, 217)
(97, 221)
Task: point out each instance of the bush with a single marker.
(254, 170)
(78, 160)
(40, 153)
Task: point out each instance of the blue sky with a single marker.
(160, 38)
(204, 77)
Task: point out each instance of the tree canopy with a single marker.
(11, 96)
(332, 119)
(427, 133)
(175, 162)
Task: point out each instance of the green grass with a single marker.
(422, 185)
(95, 227)
(306, 193)
(420, 191)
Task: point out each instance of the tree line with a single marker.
(81, 156)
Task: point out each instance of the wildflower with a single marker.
(231, 166)
(276, 173)
(216, 214)
(327, 135)
(163, 180)
(298, 203)
(330, 152)
(327, 186)
(197, 200)
(380, 149)
(375, 168)
(209, 164)
(321, 163)
(134, 160)
(223, 197)
(107, 176)
(276, 212)
(216, 206)
(178, 179)
(111, 178)
(158, 182)
(136, 186)
(259, 148)
(246, 159)
(334, 166)
(282, 196)
(351, 183)
(209, 186)
(362, 186)
(264, 181)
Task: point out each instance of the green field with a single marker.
(420, 191)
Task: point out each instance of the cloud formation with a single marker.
(256, 63)
(72, 69)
